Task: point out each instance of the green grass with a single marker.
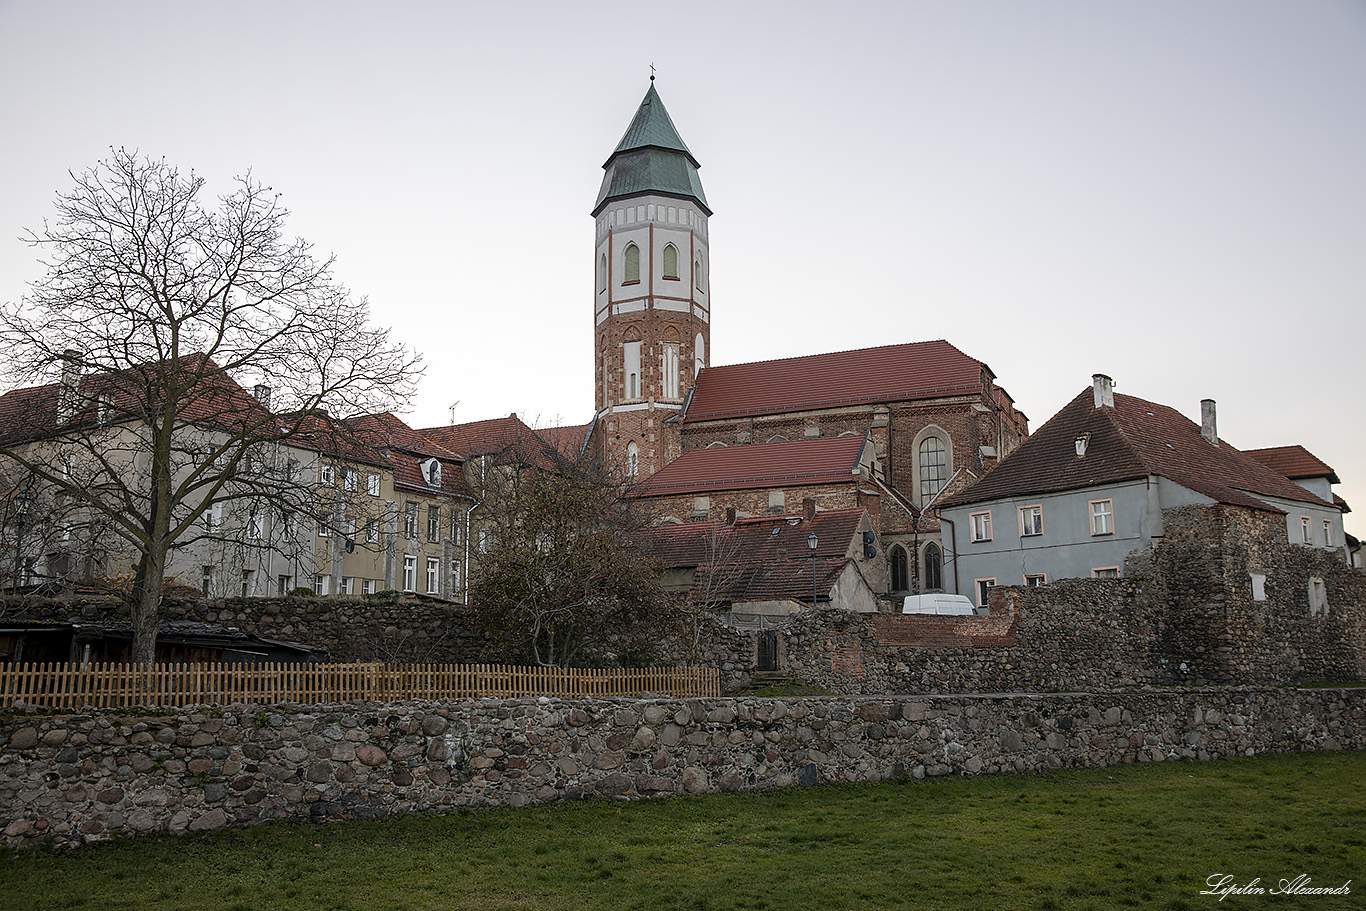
(1139, 836)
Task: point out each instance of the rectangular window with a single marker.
(433, 576)
(347, 586)
(777, 501)
(433, 523)
(256, 524)
(1035, 580)
(287, 526)
(670, 371)
(367, 586)
(206, 581)
(483, 540)
(372, 484)
(325, 525)
(282, 585)
(1031, 520)
(455, 578)
(327, 475)
(1327, 532)
(348, 478)
(981, 526)
(1318, 598)
(1307, 529)
(409, 573)
(246, 583)
(410, 520)
(214, 517)
(372, 531)
(1105, 572)
(455, 528)
(1102, 517)
(983, 590)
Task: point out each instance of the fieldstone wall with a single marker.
(350, 629)
(72, 779)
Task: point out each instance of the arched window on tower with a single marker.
(632, 460)
(602, 273)
(670, 370)
(631, 264)
(933, 468)
(699, 356)
(631, 369)
(671, 262)
(934, 568)
(697, 269)
(900, 582)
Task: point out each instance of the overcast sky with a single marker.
(1173, 193)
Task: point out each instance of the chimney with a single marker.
(1208, 429)
(809, 509)
(68, 397)
(1104, 389)
(730, 515)
(262, 393)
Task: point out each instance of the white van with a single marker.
(937, 604)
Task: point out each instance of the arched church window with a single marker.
(632, 459)
(602, 273)
(697, 268)
(699, 355)
(900, 580)
(670, 261)
(632, 264)
(934, 568)
(933, 467)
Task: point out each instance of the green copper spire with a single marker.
(651, 159)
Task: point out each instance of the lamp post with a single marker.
(811, 542)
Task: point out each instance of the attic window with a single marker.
(1081, 444)
(431, 471)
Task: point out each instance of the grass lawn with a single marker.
(1137, 836)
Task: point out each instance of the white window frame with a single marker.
(409, 573)
(1035, 528)
(213, 518)
(325, 525)
(1102, 572)
(367, 586)
(410, 520)
(322, 584)
(433, 576)
(1106, 523)
(979, 526)
(983, 588)
(1035, 580)
(348, 478)
(348, 585)
(372, 531)
(256, 524)
(455, 578)
(1327, 532)
(434, 523)
(372, 484)
(1307, 529)
(327, 475)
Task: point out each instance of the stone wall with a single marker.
(72, 779)
(350, 629)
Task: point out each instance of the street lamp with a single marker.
(811, 542)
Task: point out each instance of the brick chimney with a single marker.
(1208, 428)
(809, 509)
(69, 395)
(1104, 389)
(730, 515)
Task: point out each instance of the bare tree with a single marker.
(564, 572)
(158, 308)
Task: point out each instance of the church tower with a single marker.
(652, 311)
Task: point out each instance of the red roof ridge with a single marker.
(802, 357)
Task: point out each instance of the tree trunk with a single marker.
(147, 603)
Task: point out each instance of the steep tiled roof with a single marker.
(760, 559)
(568, 441)
(1295, 462)
(891, 373)
(388, 431)
(1131, 440)
(786, 464)
(508, 439)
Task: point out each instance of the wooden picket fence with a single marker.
(110, 685)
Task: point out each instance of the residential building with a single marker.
(1100, 481)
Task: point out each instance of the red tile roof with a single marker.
(569, 441)
(509, 439)
(765, 558)
(786, 464)
(1295, 462)
(407, 450)
(1132, 440)
(891, 373)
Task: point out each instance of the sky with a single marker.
(1169, 192)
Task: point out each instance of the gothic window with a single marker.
(602, 273)
(631, 362)
(934, 467)
(670, 365)
(632, 459)
(670, 261)
(900, 582)
(697, 269)
(699, 355)
(934, 568)
(632, 264)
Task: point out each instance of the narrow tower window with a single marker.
(670, 364)
(933, 467)
(602, 273)
(670, 261)
(701, 285)
(631, 358)
(632, 459)
(699, 356)
(632, 264)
